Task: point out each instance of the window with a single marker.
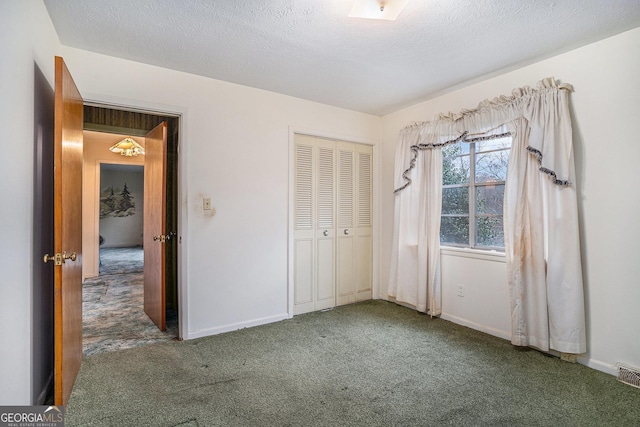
(473, 176)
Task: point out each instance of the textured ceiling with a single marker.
(311, 49)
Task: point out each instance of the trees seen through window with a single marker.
(473, 181)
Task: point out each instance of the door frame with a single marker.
(117, 103)
(375, 265)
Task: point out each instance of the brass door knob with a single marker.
(56, 258)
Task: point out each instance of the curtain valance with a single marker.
(545, 108)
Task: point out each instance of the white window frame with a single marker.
(472, 215)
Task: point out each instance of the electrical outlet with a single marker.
(461, 291)
(206, 204)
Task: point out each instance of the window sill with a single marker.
(487, 255)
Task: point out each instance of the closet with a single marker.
(333, 244)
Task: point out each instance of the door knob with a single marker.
(325, 233)
(59, 258)
(56, 258)
(346, 231)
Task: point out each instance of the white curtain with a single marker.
(541, 220)
(540, 214)
(415, 263)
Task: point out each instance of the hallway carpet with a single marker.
(121, 260)
(367, 364)
(113, 316)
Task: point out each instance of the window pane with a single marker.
(493, 144)
(455, 200)
(492, 166)
(489, 231)
(455, 166)
(454, 229)
(456, 149)
(489, 199)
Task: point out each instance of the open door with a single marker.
(154, 224)
(67, 230)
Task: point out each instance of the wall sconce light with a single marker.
(127, 147)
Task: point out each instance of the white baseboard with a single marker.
(586, 361)
(478, 327)
(598, 365)
(235, 326)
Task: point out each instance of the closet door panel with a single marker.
(346, 271)
(303, 198)
(364, 251)
(325, 184)
(326, 274)
(364, 217)
(346, 250)
(314, 224)
(346, 186)
(303, 224)
(303, 271)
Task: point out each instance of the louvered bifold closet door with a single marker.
(364, 222)
(354, 250)
(314, 224)
(346, 255)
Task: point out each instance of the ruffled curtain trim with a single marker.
(418, 147)
(523, 102)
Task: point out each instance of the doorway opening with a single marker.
(121, 219)
(113, 220)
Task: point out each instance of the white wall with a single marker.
(234, 149)
(27, 37)
(475, 292)
(606, 110)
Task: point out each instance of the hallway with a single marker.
(112, 306)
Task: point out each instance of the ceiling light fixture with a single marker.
(377, 9)
(127, 147)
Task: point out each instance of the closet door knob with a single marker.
(325, 233)
(346, 231)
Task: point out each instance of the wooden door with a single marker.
(67, 232)
(154, 224)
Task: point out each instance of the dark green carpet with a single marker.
(368, 364)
